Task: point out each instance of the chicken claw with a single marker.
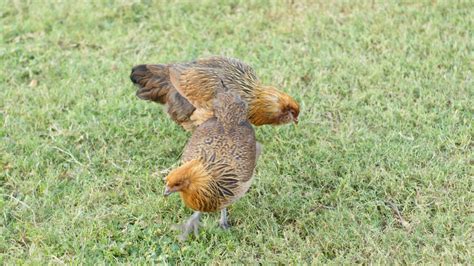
(191, 225)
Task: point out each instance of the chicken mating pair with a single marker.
(217, 98)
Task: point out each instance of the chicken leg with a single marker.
(223, 222)
(259, 150)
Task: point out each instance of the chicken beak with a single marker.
(167, 191)
(295, 119)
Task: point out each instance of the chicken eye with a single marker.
(293, 112)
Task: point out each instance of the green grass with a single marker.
(378, 170)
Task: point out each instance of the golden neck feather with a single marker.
(196, 194)
(265, 107)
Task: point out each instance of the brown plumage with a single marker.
(218, 162)
(187, 89)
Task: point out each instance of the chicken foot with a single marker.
(192, 224)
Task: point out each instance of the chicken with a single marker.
(217, 163)
(187, 90)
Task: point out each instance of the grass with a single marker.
(379, 170)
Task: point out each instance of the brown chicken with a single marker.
(218, 162)
(187, 90)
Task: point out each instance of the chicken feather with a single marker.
(218, 161)
(189, 88)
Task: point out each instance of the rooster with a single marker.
(218, 162)
(187, 90)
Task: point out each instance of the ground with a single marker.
(378, 170)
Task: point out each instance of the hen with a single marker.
(218, 162)
(187, 90)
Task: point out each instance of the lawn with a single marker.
(379, 169)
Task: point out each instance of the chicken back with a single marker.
(187, 90)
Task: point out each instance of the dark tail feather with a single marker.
(152, 81)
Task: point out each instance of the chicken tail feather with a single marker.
(153, 82)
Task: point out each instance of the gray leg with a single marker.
(192, 224)
(224, 224)
(259, 150)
